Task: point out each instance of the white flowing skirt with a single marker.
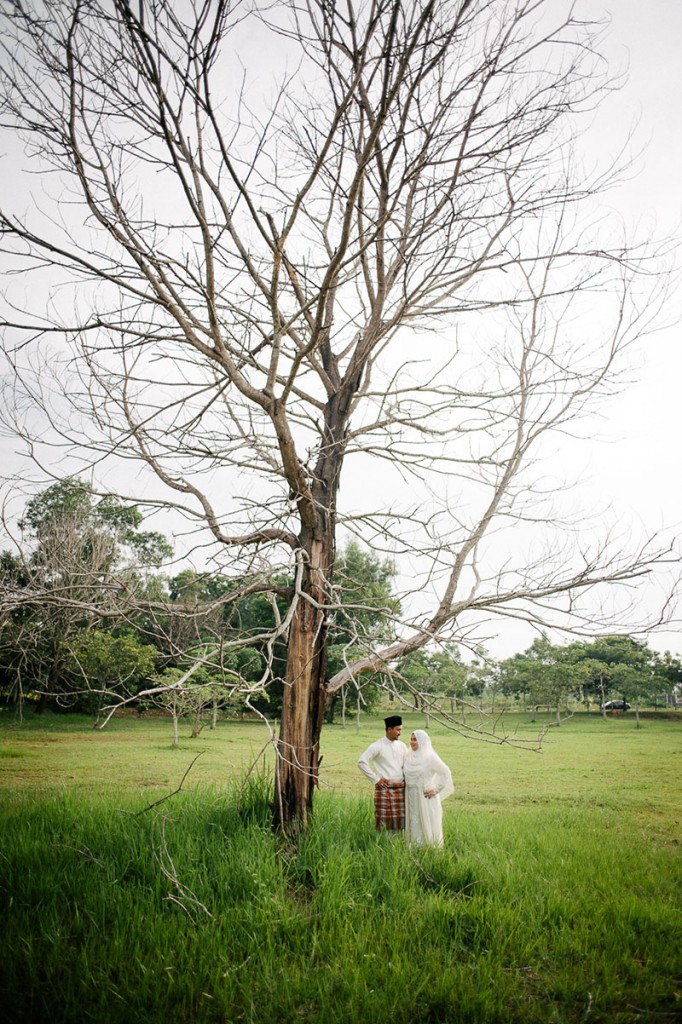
(423, 817)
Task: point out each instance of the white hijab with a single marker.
(423, 764)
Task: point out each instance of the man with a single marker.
(382, 763)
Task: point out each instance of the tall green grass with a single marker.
(557, 896)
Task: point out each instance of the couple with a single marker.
(408, 784)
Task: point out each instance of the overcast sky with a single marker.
(640, 468)
(645, 466)
(632, 467)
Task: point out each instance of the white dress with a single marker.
(423, 770)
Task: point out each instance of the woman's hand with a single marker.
(428, 793)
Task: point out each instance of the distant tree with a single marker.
(192, 611)
(668, 676)
(427, 676)
(617, 667)
(477, 677)
(72, 527)
(439, 671)
(199, 696)
(610, 667)
(182, 614)
(545, 674)
(77, 566)
(104, 663)
(365, 607)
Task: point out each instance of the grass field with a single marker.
(557, 896)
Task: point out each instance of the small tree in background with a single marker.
(105, 664)
(79, 562)
(544, 674)
(615, 667)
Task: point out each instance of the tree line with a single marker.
(91, 622)
(587, 673)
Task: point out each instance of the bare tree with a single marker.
(384, 261)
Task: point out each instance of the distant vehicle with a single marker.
(616, 705)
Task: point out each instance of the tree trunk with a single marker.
(176, 741)
(98, 710)
(302, 714)
(196, 727)
(303, 700)
(305, 693)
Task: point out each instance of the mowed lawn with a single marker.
(557, 896)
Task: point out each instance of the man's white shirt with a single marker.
(383, 759)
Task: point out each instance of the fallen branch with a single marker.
(185, 896)
(175, 791)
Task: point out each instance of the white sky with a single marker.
(633, 465)
(639, 469)
(643, 464)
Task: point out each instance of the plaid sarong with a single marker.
(389, 806)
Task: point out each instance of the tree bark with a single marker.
(305, 692)
(303, 706)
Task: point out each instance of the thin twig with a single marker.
(185, 895)
(433, 881)
(84, 853)
(169, 795)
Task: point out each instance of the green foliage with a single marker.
(619, 666)
(103, 661)
(440, 671)
(249, 619)
(364, 612)
(483, 675)
(208, 615)
(544, 674)
(204, 609)
(71, 504)
(69, 498)
(363, 582)
(669, 672)
(609, 667)
(82, 554)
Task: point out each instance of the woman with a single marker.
(428, 780)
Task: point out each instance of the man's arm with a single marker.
(365, 764)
